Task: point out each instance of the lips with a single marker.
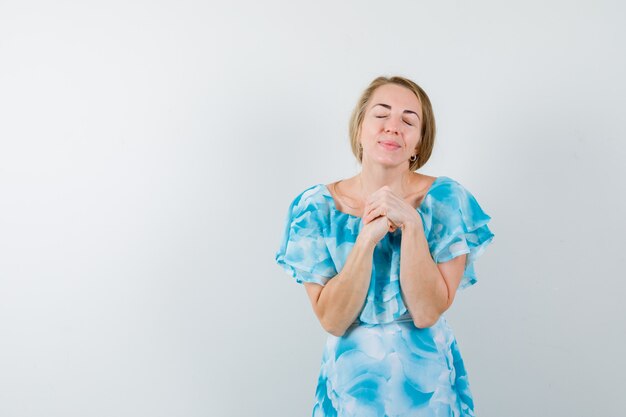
(389, 144)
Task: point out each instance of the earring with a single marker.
(413, 158)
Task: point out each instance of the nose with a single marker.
(392, 125)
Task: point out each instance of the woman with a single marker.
(381, 256)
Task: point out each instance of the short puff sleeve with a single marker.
(303, 252)
(459, 227)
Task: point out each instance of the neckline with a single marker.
(418, 208)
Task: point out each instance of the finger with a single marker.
(369, 216)
(393, 225)
(376, 212)
(368, 212)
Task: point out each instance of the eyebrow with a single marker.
(387, 106)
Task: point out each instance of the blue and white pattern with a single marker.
(384, 365)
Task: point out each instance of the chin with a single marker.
(389, 162)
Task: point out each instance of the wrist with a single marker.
(365, 242)
(412, 226)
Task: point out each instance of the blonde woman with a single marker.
(382, 255)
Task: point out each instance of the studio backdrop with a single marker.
(149, 152)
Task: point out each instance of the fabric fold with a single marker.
(303, 252)
(459, 226)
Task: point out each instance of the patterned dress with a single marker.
(384, 366)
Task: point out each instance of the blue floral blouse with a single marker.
(318, 238)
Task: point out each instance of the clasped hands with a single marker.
(384, 202)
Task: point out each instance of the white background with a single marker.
(149, 152)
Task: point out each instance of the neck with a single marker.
(375, 176)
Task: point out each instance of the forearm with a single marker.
(342, 298)
(424, 290)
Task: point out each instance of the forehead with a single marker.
(395, 96)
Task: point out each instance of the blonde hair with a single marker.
(427, 133)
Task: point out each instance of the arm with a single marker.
(338, 303)
(428, 288)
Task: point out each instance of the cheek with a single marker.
(413, 141)
(372, 126)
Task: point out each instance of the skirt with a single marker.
(393, 370)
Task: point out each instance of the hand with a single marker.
(376, 229)
(384, 202)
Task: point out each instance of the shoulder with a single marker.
(447, 189)
(310, 197)
(451, 199)
(310, 206)
(447, 197)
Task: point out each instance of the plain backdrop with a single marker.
(149, 151)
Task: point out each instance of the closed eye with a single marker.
(382, 117)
